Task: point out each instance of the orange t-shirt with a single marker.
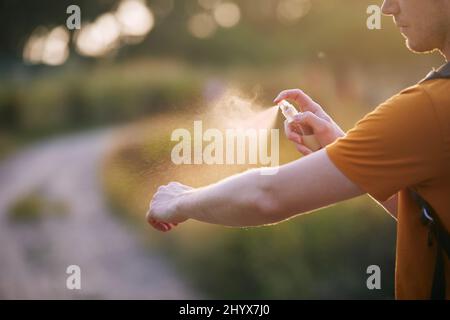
(405, 143)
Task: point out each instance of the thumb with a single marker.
(309, 119)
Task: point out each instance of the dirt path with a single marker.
(34, 256)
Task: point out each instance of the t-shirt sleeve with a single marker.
(395, 146)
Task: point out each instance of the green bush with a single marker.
(33, 207)
(80, 97)
(319, 256)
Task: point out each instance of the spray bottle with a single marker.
(289, 113)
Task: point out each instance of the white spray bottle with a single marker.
(289, 113)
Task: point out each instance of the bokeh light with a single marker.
(98, 38)
(202, 25)
(49, 48)
(34, 47)
(291, 11)
(130, 23)
(135, 18)
(227, 14)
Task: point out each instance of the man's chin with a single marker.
(417, 48)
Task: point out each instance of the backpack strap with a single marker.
(437, 232)
(442, 73)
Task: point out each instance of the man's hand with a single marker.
(163, 214)
(312, 120)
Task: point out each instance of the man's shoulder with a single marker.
(410, 110)
(432, 90)
(423, 95)
(413, 98)
(437, 86)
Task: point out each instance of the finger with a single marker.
(293, 131)
(285, 94)
(158, 226)
(305, 102)
(291, 134)
(167, 224)
(297, 128)
(294, 94)
(311, 120)
(171, 224)
(303, 149)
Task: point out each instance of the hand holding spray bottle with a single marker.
(289, 113)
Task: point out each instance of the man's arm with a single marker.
(252, 199)
(324, 128)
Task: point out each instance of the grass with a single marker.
(33, 207)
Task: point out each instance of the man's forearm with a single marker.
(251, 199)
(235, 201)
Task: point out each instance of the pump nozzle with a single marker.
(289, 112)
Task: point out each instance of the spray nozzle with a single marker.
(288, 110)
